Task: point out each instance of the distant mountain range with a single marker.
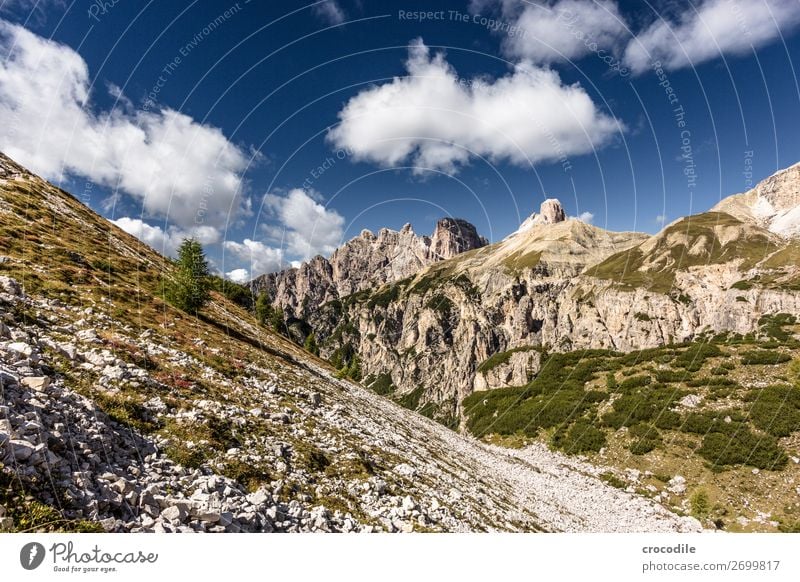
(428, 321)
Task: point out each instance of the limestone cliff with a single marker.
(366, 262)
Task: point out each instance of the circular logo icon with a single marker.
(31, 555)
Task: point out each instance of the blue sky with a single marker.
(273, 131)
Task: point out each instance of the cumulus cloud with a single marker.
(309, 228)
(586, 217)
(330, 12)
(166, 241)
(556, 30)
(176, 167)
(432, 119)
(238, 275)
(259, 257)
(710, 29)
(299, 227)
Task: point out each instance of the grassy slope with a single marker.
(692, 241)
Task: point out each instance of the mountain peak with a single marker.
(774, 203)
(453, 236)
(550, 212)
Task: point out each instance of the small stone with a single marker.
(21, 348)
(174, 514)
(405, 470)
(37, 383)
(22, 449)
(208, 516)
(123, 486)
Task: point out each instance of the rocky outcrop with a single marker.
(452, 237)
(366, 262)
(550, 212)
(519, 368)
(773, 204)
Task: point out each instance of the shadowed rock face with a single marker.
(452, 237)
(366, 262)
(552, 212)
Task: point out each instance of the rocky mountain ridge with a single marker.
(365, 262)
(559, 285)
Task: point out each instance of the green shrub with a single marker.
(644, 405)
(700, 504)
(672, 376)
(238, 294)
(412, 399)
(693, 357)
(742, 285)
(634, 382)
(776, 410)
(385, 296)
(743, 447)
(667, 419)
(382, 384)
(772, 325)
(311, 344)
(764, 357)
(613, 480)
(582, 437)
(645, 438)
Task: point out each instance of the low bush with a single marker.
(672, 376)
(693, 357)
(645, 438)
(764, 357)
(644, 405)
(634, 382)
(582, 437)
(743, 447)
(776, 410)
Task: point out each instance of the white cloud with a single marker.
(558, 29)
(309, 228)
(432, 119)
(330, 12)
(258, 257)
(586, 217)
(661, 219)
(238, 275)
(302, 228)
(177, 167)
(710, 29)
(166, 241)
